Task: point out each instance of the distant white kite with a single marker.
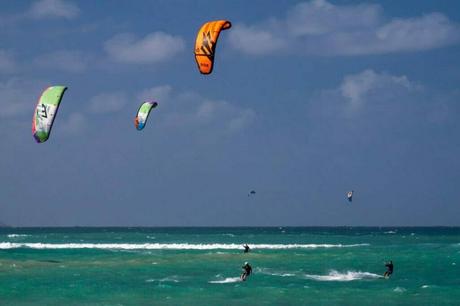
(350, 196)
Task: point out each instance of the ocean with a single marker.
(201, 266)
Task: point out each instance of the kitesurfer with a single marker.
(389, 270)
(247, 270)
(246, 248)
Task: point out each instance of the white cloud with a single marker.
(107, 102)
(244, 118)
(321, 28)
(321, 17)
(64, 60)
(54, 9)
(157, 93)
(213, 114)
(19, 97)
(357, 87)
(260, 41)
(426, 32)
(153, 48)
(192, 111)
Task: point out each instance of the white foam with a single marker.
(343, 277)
(425, 286)
(17, 236)
(390, 232)
(167, 246)
(227, 280)
(399, 289)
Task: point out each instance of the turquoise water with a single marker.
(201, 266)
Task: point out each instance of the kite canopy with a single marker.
(350, 195)
(46, 111)
(205, 45)
(143, 114)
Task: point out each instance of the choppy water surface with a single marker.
(201, 266)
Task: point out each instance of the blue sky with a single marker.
(307, 101)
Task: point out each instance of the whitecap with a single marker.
(17, 236)
(390, 232)
(170, 279)
(399, 289)
(343, 277)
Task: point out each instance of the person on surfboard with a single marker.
(247, 270)
(246, 248)
(389, 270)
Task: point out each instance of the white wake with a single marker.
(343, 277)
(227, 280)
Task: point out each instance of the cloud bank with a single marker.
(321, 28)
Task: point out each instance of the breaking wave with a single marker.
(335, 276)
(168, 246)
